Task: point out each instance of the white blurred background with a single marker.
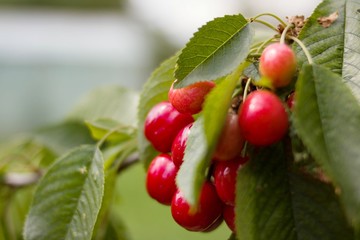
(54, 51)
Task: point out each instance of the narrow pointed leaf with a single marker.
(274, 201)
(155, 90)
(203, 138)
(327, 118)
(68, 198)
(215, 50)
(336, 47)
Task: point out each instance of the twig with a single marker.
(128, 162)
(18, 180)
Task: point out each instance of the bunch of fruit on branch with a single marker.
(259, 119)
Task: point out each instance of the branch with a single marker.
(19, 180)
(128, 162)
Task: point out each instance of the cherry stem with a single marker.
(283, 35)
(270, 15)
(246, 89)
(264, 23)
(303, 47)
(104, 138)
(254, 55)
(263, 44)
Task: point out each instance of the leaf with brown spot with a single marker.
(328, 21)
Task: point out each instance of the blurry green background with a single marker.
(52, 52)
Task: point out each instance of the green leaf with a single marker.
(327, 119)
(68, 198)
(64, 136)
(111, 102)
(15, 208)
(204, 136)
(155, 90)
(232, 237)
(114, 156)
(336, 47)
(116, 229)
(351, 65)
(215, 50)
(274, 201)
(119, 132)
(21, 154)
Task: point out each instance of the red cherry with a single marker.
(209, 209)
(291, 100)
(163, 123)
(231, 141)
(263, 119)
(179, 145)
(190, 98)
(278, 63)
(229, 216)
(160, 179)
(225, 173)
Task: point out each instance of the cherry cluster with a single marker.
(261, 120)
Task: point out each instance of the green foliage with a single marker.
(204, 136)
(215, 50)
(276, 201)
(64, 136)
(110, 102)
(332, 133)
(154, 91)
(279, 195)
(324, 44)
(351, 57)
(336, 47)
(68, 198)
(117, 132)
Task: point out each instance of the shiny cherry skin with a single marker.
(224, 174)
(190, 98)
(278, 64)
(160, 179)
(262, 118)
(162, 124)
(209, 209)
(231, 141)
(229, 216)
(179, 145)
(215, 225)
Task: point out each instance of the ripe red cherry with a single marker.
(163, 123)
(160, 179)
(190, 98)
(225, 173)
(229, 216)
(278, 63)
(231, 141)
(263, 119)
(208, 212)
(179, 145)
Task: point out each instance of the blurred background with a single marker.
(52, 52)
